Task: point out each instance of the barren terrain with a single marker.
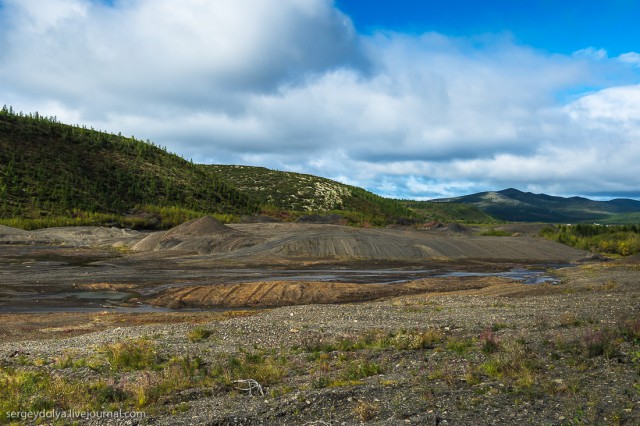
(337, 325)
(97, 268)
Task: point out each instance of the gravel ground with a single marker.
(541, 371)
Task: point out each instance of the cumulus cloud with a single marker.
(150, 54)
(294, 87)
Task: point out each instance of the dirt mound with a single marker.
(75, 236)
(295, 242)
(286, 293)
(8, 231)
(203, 236)
(194, 228)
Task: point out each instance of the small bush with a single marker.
(489, 341)
(366, 410)
(265, 369)
(198, 334)
(131, 355)
(460, 346)
(361, 370)
(630, 330)
(514, 364)
(495, 233)
(570, 319)
(600, 343)
(417, 340)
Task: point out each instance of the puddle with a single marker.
(98, 295)
(525, 276)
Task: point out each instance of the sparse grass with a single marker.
(630, 330)
(460, 345)
(499, 326)
(135, 375)
(514, 364)
(570, 319)
(600, 343)
(366, 411)
(357, 370)
(415, 340)
(373, 340)
(198, 334)
(138, 354)
(266, 369)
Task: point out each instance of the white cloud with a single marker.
(631, 58)
(294, 87)
(191, 53)
(591, 53)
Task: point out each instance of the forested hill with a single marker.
(52, 169)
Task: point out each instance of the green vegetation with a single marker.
(130, 355)
(448, 212)
(141, 374)
(516, 206)
(623, 240)
(292, 192)
(52, 172)
(492, 232)
(198, 334)
(147, 217)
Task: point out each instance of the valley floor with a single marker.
(506, 353)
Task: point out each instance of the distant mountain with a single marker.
(517, 206)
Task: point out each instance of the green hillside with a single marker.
(49, 169)
(54, 174)
(302, 192)
(449, 212)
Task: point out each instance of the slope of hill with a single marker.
(517, 206)
(303, 192)
(48, 168)
(449, 212)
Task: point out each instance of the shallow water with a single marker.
(82, 300)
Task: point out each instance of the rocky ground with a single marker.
(377, 349)
(506, 353)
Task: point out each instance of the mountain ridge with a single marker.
(514, 205)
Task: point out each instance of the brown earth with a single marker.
(69, 267)
(286, 293)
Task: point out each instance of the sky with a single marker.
(408, 99)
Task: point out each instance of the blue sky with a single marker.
(413, 99)
(558, 26)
